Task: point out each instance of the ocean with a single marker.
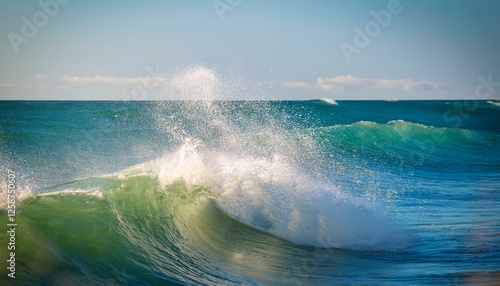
(215, 192)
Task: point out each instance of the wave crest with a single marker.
(274, 196)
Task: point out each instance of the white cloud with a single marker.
(7, 85)
(323, 84)
(340, 83)
(193, 83)
(110, 80)
(38, 76)
(294, 84)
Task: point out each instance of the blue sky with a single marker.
(255, 49)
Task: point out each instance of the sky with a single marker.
(259, 49)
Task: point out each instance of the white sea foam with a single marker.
(274, 196)
(496, 103)
(89, 192)
(21, 192)
(329, 100)
(269, 192)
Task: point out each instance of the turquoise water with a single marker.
(252, 192)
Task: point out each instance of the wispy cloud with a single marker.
(7, 85)
(110, 80)
(193, 83)
(295, 84)
(372, 83)
(340, 83)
